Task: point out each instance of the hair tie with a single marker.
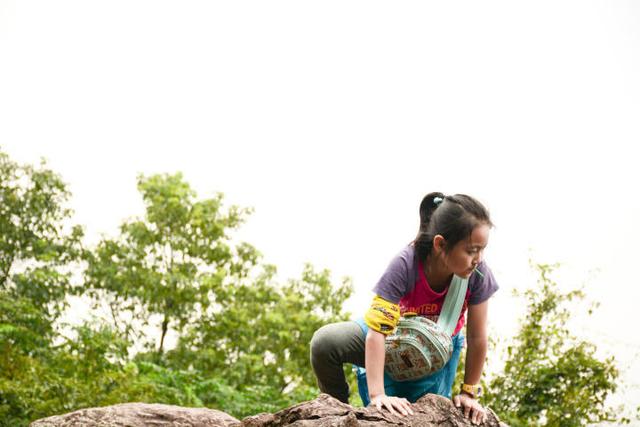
(437, 200)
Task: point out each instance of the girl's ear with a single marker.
(438, 244)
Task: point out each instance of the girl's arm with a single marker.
(476, 342)
(476, 352)
(374, 364)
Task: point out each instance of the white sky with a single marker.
(332, 119)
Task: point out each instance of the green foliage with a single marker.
(243, 338)
(232, 319)
(170, 263)
(24, 334)
(37, 253)
(260, 334)
(84, 371)
(551, 377)
(35, 247)
(24, 329)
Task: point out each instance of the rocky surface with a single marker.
(140, 414)
(325, 411)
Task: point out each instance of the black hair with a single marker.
(453, 217)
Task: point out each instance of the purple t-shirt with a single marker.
(404, 283)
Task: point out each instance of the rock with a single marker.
(140, 414)
(325, 411)
(429, 411)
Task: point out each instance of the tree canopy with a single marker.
(36, 248)
(173, 263)
(550, 376)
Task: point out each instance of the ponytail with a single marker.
(427, 207)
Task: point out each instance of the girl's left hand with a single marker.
(472, 408)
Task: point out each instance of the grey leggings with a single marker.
(331, 346)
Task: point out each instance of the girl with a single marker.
(453, 233)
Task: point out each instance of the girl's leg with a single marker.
(331, 346)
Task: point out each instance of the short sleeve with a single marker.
(399, 277)
(482, 286)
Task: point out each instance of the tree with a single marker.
(169, 263)
(36, 249)
(37, 256)
(260, 333)
(25, 331)
(243, 337)
(551, 377)
(237, 327)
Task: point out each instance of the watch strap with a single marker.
(474, 390)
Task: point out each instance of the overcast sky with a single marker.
(332, 119)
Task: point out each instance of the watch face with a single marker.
(473, 390)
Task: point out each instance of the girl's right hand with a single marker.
(392, 403)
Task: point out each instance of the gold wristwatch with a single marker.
(473, 390)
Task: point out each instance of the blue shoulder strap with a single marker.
(450, 312)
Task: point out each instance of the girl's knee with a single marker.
(330, 342)
(321, 343)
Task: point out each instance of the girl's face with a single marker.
(467, 254)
